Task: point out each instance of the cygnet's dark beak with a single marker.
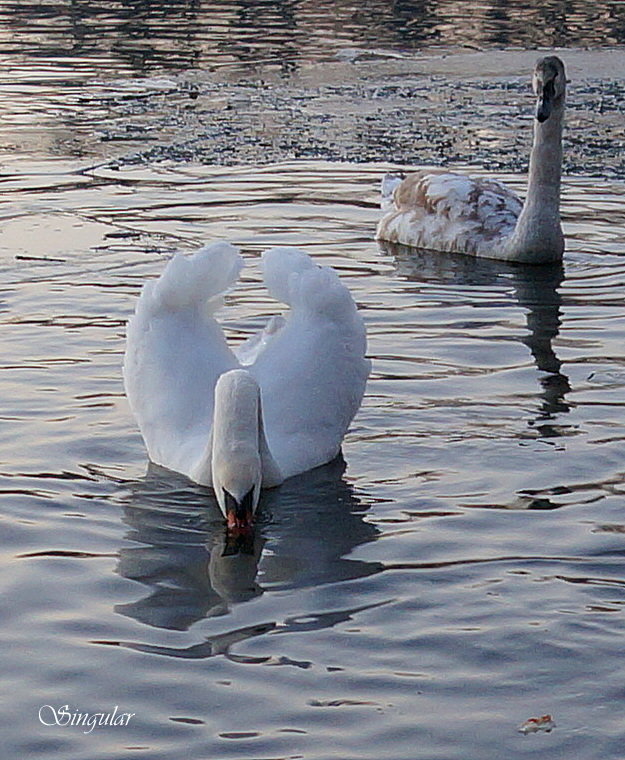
(546, 97)
(240, 515)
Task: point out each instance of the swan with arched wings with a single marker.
(241, 420)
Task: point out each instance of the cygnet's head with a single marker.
(236, 461)
(549, 85)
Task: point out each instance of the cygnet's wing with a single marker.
(447, 212)
(312, 371)
(175, 351)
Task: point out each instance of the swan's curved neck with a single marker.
(538, 233)
(237, 455)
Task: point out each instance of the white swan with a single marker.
(277, 407)
(481, 217)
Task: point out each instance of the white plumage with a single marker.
(446, 211)
(308, 367)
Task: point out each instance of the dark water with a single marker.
(459, 573)
(143, 36)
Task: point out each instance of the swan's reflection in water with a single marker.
(536, 289)
(306, 529)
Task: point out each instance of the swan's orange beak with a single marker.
(240, 515)
(239, 522)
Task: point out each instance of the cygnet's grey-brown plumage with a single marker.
(446, 211)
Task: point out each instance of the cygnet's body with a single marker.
(444, 211)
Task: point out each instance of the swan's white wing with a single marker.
(312, 371)
(175, 351)
(449, 212)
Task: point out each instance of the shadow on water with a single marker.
(309, 525)
(536, 289)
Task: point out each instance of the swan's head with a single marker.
(236, 460)
(549, 85)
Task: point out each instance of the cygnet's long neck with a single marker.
(537, 237)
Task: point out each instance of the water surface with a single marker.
(140, 38)
(464, 573)
(461, 569)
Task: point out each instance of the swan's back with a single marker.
(448, 212)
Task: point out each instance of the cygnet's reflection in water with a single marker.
(538, 292)
(536, 289)
(193, 570)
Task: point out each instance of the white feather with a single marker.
(309, 365)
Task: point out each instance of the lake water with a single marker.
(463, 569)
